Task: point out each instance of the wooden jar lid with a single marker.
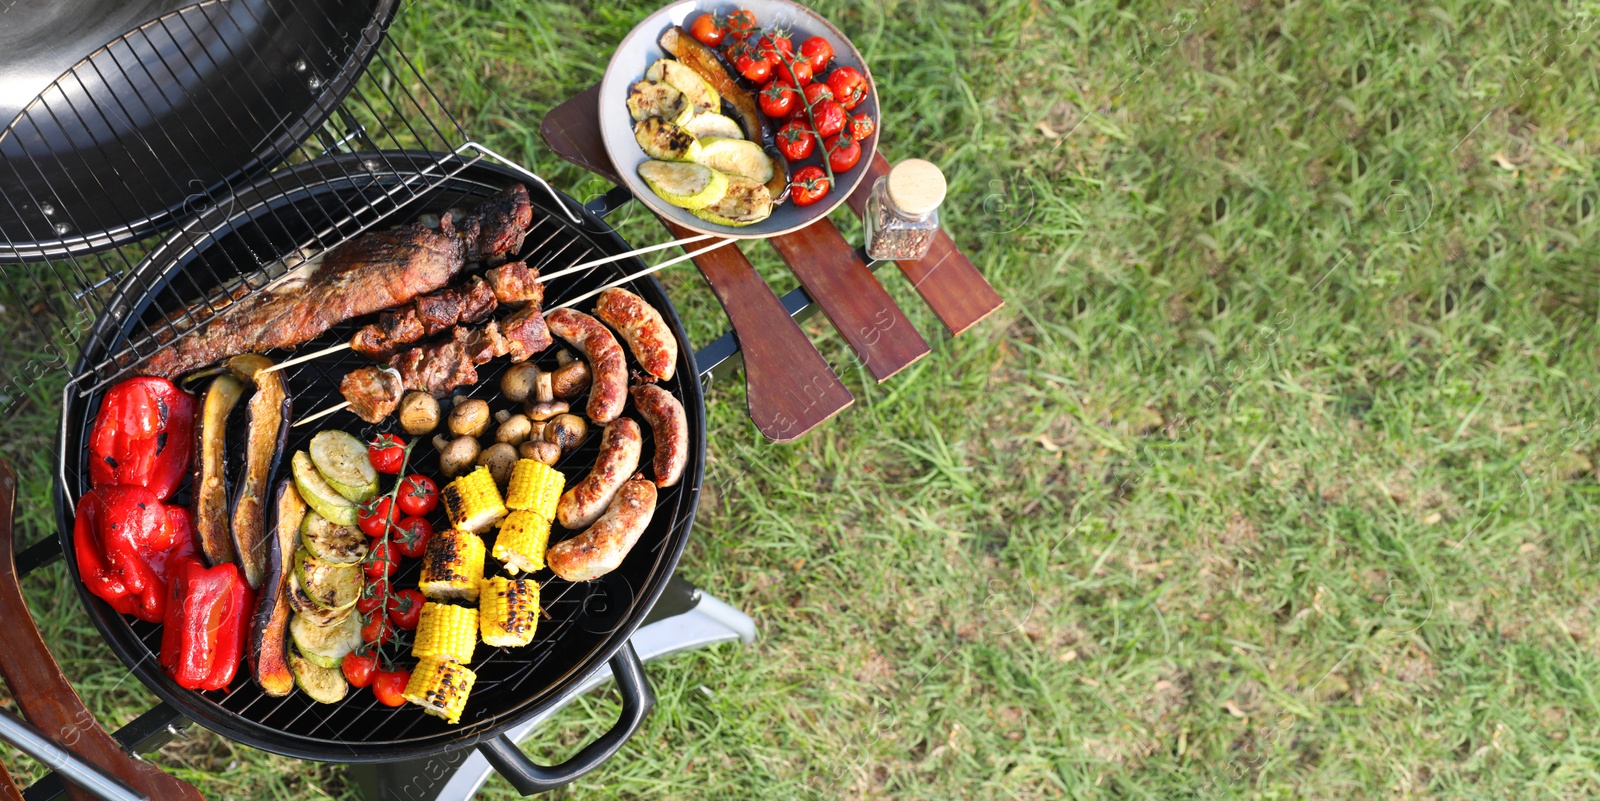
(916, 186)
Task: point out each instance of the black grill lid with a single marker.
(123, 118)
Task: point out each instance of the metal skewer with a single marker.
(542, 278)
(625, 279)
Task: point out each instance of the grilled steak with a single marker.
(376, 271)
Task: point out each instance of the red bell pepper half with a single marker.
(208, 619)
(143, 436)
(122, 536)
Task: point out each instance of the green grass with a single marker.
(1275, 478)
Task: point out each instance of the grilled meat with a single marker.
(512, 284)
(373, 392)
(379, 270)
(440, 366)
(516, 283)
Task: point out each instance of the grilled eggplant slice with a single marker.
(211, 520)
(662, 140)
(267, 430)
(648, 99)
(269, 634)
(696, 92)
(736, 157)
(684, 184)
(745, 203)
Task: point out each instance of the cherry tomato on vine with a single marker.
(817, 52)
(707, 30)
(376, 515)
(778, 99)
(810, 185)
(775, 42)
(376, 629)
(374, 594)
(390, 685)
(796, 140)
(418, 495)
(741, 24)
(817, 92)
(755, 70)
(849, 87)
(405, 608)
(861, 127)
(797, 72)
(359, 666)
(843, 152)
(829, 118)
(412, 537)
(386, 452)
(383, 561)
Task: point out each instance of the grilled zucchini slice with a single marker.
(326, 646)
(331, 542)
(696, 92)
(318, 493)
(745, 203)
(684, 184)
(655, 99)
(342, 461)
(736, 157)
(304, 607)
(705, 126)
(662, 140)
(328, 585)
(325, 685)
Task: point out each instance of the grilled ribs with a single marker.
(376, 271)
(512, 284)
(440, 366)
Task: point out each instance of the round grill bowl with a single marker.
(587, 623)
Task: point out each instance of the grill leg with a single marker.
(683, 619)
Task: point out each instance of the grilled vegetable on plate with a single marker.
(745, 86)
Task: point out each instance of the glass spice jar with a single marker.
(903, 211)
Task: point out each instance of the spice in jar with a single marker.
(903, 211)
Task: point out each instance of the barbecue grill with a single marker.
(380, 152)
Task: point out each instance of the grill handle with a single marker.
(529, 777)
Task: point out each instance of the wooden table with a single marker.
(791, 388)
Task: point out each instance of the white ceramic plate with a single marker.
(641, 47)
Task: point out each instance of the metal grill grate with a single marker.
(583, 620)
(99, 144)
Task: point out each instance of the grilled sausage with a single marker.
(583, 504)
(601, 548)
(642, 328)
(609, 392)
(670, 427)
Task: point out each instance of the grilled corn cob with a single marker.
(452, 567)
(447, 632)
(508, 611)
(535, 487)
(522, 540)
(473, 501)
(440, 687)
